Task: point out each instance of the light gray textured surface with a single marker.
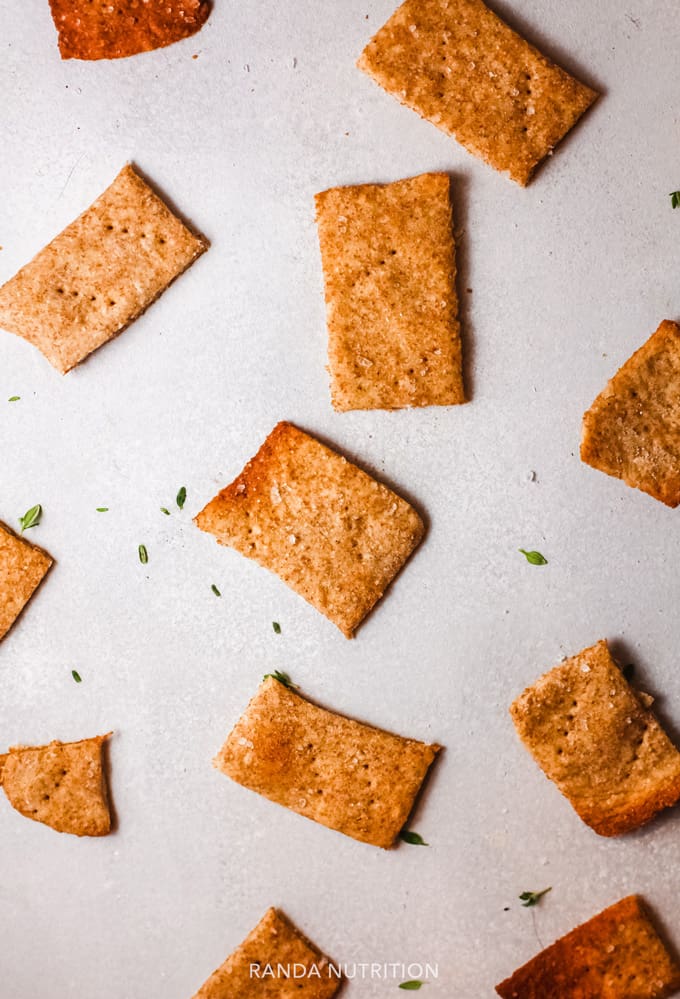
(567, 278)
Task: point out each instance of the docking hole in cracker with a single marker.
(330, 531)
(99, 274)
(389, 269)
(594, 736)
(351, 777)
(461, 67)
(23, 567)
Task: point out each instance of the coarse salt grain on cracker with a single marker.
(593, 735)
(61, 784)
(97, 29)
(330, 531)
(462, 68)
(632, 430)
(392, 311)
(99, 274)
(348, 776)
(22, 569)
(617, 954)
(264, 966)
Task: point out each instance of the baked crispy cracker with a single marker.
(96, 29)
(632, 430)
(617, 954)
(348, 776)
(99, 274)
(458, 65)
(390, 279)
(277, 945)
(62, 785)
(329, 530)
(593, 735)
(3, 760)
(22, 569)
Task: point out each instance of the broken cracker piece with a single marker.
(632, 430)
(330, 531)
(461, 67)
(275, 961)
(617, 954)
(96, 29)
(348, 776)
(392, 311)
(593, 736)
(23, 567)
(99, 274)
(61, 785)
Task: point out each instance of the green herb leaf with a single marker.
(182, 497)
(102, 509)
(215, 590)
(414, 838)
(675, 199)
(31, 518)
(535, 558)
(165, 510)
(76, 676)
(277, 627)
(282, 678)
(143, 554)
(529, 898)
(412, 986)
(14, 398)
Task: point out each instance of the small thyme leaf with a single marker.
(412, 986)
(76, 676)
(529, 898)
(102, 509)
(143, 554)
(182, 497)
(14, 398)
(675, 199)
(414, 838)
(534, 558)
(215, 590)
(282, 678)
(165, 510)
(277, 627)
(31, 518)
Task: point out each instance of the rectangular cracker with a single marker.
(99, 274)
(348, 776)
(23, 566)
(265, 964)
(632, 430)
(617, 954)
(330, 531)
(597, 740)
(390, 283)
(461, 67)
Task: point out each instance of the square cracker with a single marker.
(462, 68)
(617, 954)
(330, 531)
(22, 569)
(595, 737)
(62, 785)
(351, 777)
(257, 968)
(390, 280)
(632, 430)
(99, 274)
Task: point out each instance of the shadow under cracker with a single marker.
(106, 768)
(421, 797)
(459, 203)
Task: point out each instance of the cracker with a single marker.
(596, 739)
(632, 430)
(392, 311)
(330, 531)
(462, 68)
(617, 954)
(266, 964)
(351, 777)
(61, 785)
(99, 274)
(97, 29)
(22, 569)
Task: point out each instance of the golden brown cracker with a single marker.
(596, 739)
(23, 566)
(330, 531)
(347, 776)
(392, 311)
(62, 785)
(96, 29)
(275, 961)
(617, 954)
(461, 67)
(99, 274)
(632, 430)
